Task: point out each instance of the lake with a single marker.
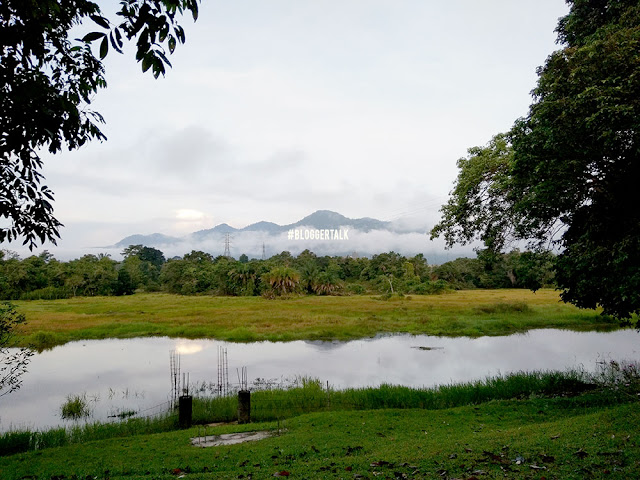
(123, 375)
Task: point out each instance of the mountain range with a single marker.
(321, 219)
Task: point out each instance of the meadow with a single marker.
(470, 313)
(546, 425)
(526, 425)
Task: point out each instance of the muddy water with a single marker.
(134, 375)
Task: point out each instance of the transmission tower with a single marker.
(264, 256)
(227, 244)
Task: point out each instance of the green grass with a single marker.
(463, 313)
(569, 425)
(75, 407)
(310, 395)
(560, 437)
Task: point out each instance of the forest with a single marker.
(146, 269)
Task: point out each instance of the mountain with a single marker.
(321, 219)
(348, 235)
(147, 240)
(357, 236)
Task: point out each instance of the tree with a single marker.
(47, 82)
(143, 265)
(282, 280)
(12, 364)
(568, 171)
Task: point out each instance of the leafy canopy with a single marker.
(47, 82)
(565, 175)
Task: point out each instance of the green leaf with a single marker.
(172, 43)
(164, 58)
(103, 22)
(147, 61)
(93, 36)
(104, 48)
(114, 44)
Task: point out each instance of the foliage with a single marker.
(479, 203)
(566, 173)
(144, 268)
(13, 363)
(281, 281)
(48, 82)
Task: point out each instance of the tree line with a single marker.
(146, 269)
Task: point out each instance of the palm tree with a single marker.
(282, 280)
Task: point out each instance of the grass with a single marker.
(309, 395)
(463, 313)
(591, 435)
(75, 407)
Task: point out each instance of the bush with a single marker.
(47, 293)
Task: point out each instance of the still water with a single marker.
(124, 375)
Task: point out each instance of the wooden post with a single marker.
(185, 411)
(244, 406)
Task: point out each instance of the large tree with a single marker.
(567, 173)
(47, 81)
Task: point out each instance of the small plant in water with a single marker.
(75, 407)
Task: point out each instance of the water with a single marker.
(121, 375)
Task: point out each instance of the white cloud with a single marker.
(276, 109)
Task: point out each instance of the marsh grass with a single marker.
(309, 395)
(312, 396)
(518, 439)
(462, 313)
(22, 441)
(504, 307)
(75, 407)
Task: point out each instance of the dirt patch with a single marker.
(229, 438)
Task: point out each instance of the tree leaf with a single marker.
(103, 22)
(114, 44)
(93, 36)
(147, 61)
(104, 48)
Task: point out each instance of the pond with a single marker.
(119, 376)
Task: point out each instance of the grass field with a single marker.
(535, 438)
(470, 313)
(531, 426)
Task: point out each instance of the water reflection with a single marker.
(126, 375)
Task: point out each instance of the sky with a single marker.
(274, 110)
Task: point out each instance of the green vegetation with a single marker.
(469, 312)
(565, 175)
(558, 425)
(49, 81)
(12, 363)
(75, 407)
(145, 269)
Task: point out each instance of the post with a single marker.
(244, 406)
(328, 395)
(185, 410)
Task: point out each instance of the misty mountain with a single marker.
(363, 236)
(155, 239)
(321, 220)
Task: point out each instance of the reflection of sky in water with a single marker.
(134, 374)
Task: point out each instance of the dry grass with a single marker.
(469, 312)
